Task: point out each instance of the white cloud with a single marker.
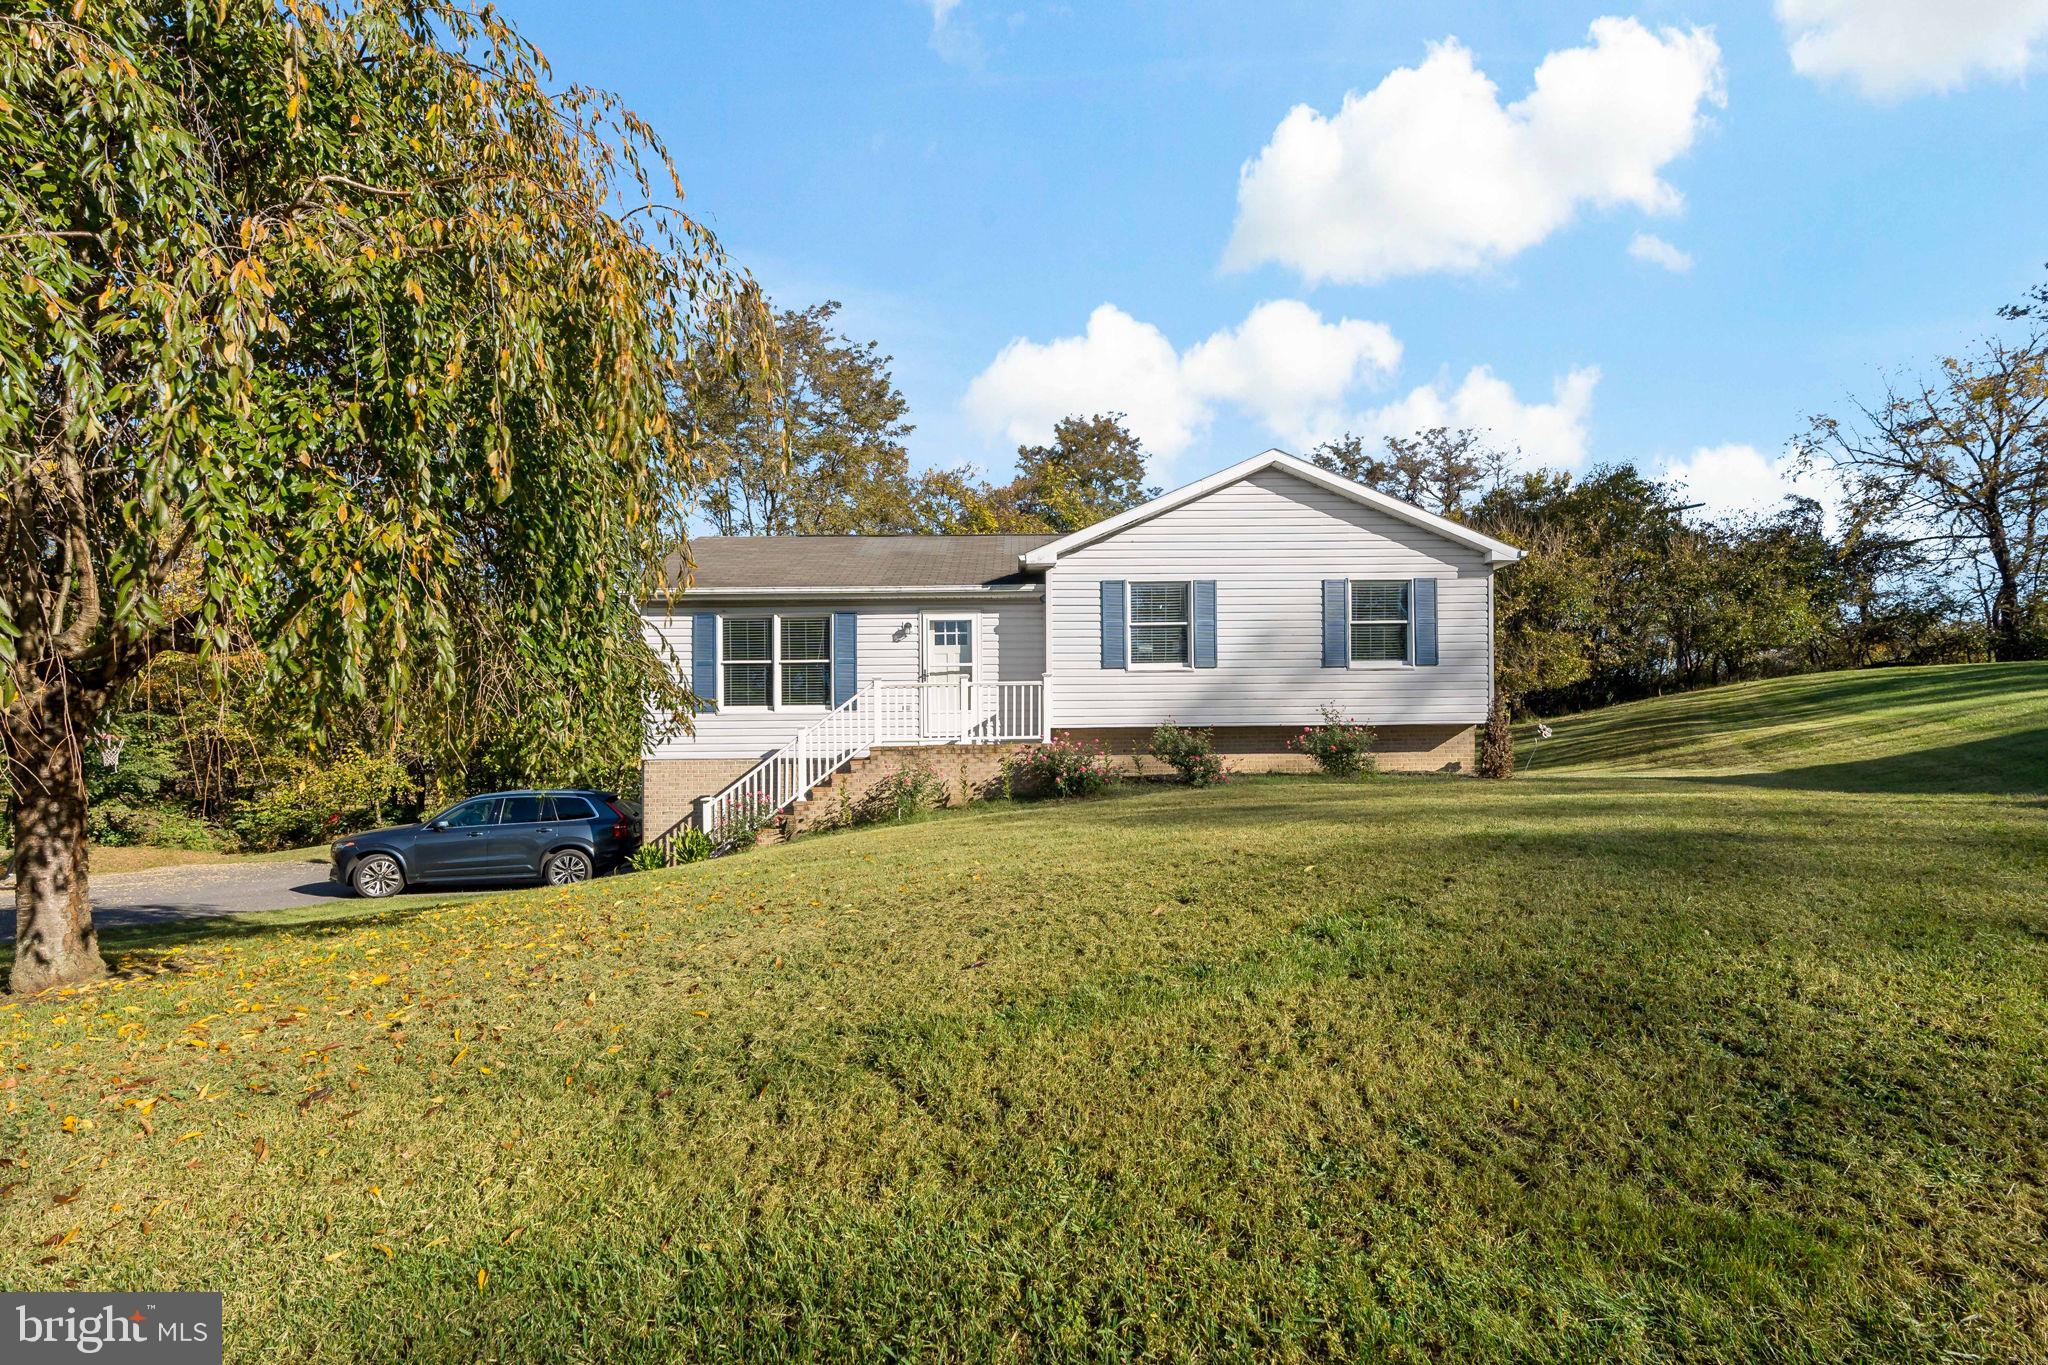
(1892, 48)
(1428, 171)
(1738, 479)
(1552, 434)
(1648, 246)
(1118, 365)
(955, 43)
(1283, 364)
(1288, 366)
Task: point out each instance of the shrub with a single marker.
(357, 791)
(742, 826)
(1188, 753)
(1496, 742)
(903, 795)
(1064, 768)
(1340, 746)
(116, 824)
(693, 845)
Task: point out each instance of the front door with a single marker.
(948, 669)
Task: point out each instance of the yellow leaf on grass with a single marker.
(481, 1276)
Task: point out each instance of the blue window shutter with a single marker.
(1115, 649)
(704, 658)
(1422, 621)
(845, 661)
(1336, 622)
(1205, 623)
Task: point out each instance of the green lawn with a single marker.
(1960, 728)
(1746, 1063)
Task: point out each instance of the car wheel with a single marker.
(378, 876)
(566, 868)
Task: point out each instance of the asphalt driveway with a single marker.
(199, 891)
(203, 889)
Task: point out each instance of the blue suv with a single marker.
(554, 837)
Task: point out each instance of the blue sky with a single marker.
(1835, 188)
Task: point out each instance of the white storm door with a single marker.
(948, 673)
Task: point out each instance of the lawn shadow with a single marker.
(163, 935)
(2003, 765)
(1595, 739)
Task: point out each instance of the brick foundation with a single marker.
(969, 772)
(669, 787)
(1263, 748)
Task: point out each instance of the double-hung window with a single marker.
(1159, 623)
(749, 661)
(1379, 621)
(805, 660)
(776, 661)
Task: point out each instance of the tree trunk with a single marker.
(54, 942)
(2006, 642)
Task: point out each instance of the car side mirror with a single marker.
(438, 824)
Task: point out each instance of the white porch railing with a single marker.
(909, 713)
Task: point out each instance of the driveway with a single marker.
(202, 890)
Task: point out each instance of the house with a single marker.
(1247, 602)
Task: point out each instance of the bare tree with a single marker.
(1959, 463)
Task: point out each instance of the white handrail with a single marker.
(787, 775)
(907, 713)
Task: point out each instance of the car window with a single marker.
(470, 814)
(524, 810)
(573, 808)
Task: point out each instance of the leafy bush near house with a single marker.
(742, 826)
(316, 802)
(1189, 753)
(905, 794)
(118, 824)
(1496, 757)
(693, 845)
(1340, 746)
(1064, 768)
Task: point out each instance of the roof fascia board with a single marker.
(1496, 552)
(890, 590)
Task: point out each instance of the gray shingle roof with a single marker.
(737, 562)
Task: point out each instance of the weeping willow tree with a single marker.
(342, 329)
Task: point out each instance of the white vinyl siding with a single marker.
(1269, 541)
(1009, 647)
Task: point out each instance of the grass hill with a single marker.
(1961, 728)
(1582, 1066)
